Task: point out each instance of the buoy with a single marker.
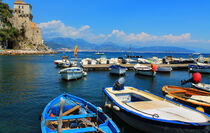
(116, 108)
(199, 108)
(108, 105)
(170, 97)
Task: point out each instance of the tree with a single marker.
(9, 33)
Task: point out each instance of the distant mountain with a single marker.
(58, 43)
(164, 49)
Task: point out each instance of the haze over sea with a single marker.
(28, 83)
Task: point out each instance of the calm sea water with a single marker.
(28, 83)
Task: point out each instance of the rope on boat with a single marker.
(153, 115)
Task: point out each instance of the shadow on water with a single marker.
(123, 126)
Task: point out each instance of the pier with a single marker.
(102, 67)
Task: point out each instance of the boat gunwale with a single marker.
(183, 99)
(160, 120)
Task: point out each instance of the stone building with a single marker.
(22, 20)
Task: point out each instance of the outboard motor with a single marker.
(119, 84)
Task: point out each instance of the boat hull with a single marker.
(118, 71)
(200, 69)
(151, 126)
(71, 75)
(146, 72)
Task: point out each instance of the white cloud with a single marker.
(56, 28)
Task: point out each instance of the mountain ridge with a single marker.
(69, 43)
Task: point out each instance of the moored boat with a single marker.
(200, 69)
(202, 86)
(117, 69)
(151, 113)
(189, 96)
(71, 114)
(72, 73)
(144, 70)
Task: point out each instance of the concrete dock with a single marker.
(99, 67)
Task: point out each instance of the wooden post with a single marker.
(60, 122)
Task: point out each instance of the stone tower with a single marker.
(22, 20)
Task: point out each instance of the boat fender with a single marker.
(108, 105)
(170, 97)
(199, 108)
(99, 108)
(116, 108)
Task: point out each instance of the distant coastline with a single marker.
(25, 52)
(112, 51)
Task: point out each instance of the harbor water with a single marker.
(29, 82)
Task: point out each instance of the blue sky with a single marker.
(143, 22)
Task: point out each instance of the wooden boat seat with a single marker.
(199, 99)
(148, 105)
(73, 117)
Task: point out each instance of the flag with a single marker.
(75, 51)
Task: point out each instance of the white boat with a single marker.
(72, 73)
(202, 86)
(117, 69)
(143, 61)
(144, 70)
(164, 69)
(63, 63)
(98, 53)
(88, 61)
(151, 113)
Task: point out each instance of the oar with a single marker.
(196, 99)
(60, 122)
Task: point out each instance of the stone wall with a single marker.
(32, 37)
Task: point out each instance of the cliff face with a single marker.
(30, 37)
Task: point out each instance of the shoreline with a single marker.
(25, 52)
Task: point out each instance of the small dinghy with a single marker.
(144, 70)
(117, 69)
(164, 69)
(189, 96)
(202, 86)
(71, 114)
(72, 73)
(151, 113)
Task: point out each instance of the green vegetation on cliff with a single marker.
(8, 34)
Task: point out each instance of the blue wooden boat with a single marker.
(199, 68)
(76, 115)
(117, 69)
(151, 113)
